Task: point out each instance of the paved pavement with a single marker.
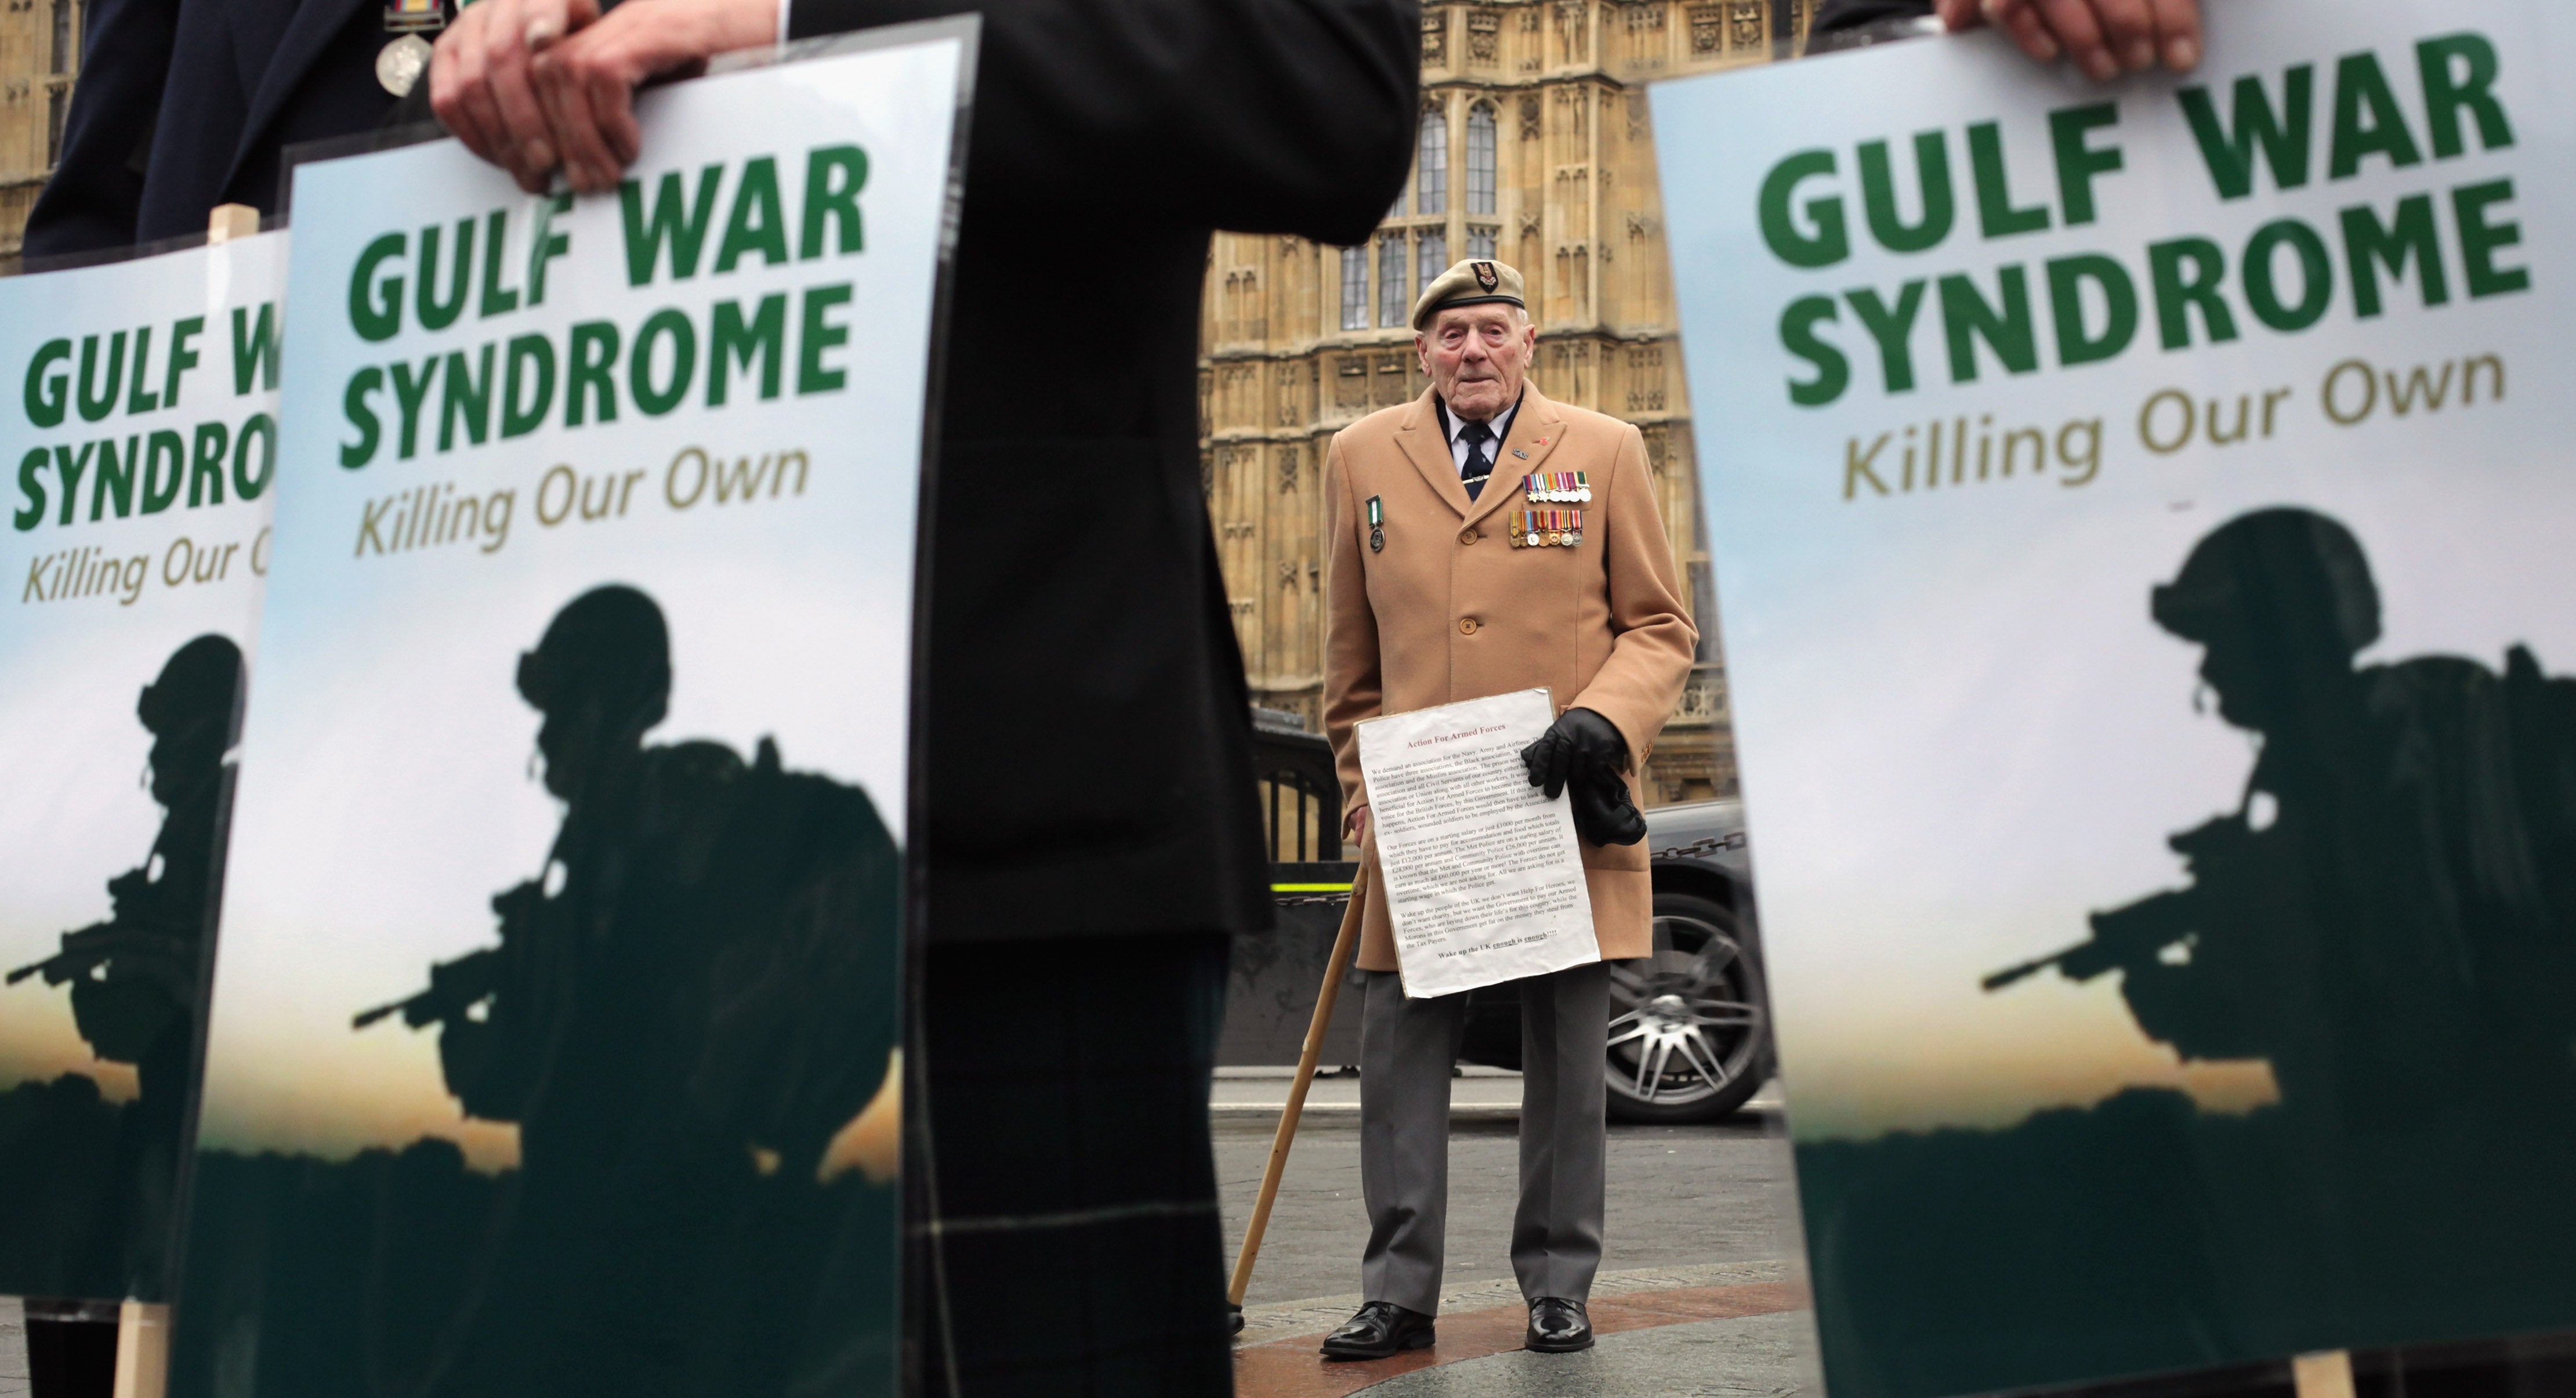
(1679, 1196)
(13, 1349)
(1728, 1329)
(1758, 1356)
(1700, 1296)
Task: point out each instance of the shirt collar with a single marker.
(1451, 426)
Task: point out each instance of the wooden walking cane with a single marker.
(1345, 944)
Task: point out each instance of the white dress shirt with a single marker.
(1456, 427)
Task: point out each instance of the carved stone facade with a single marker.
(1538, 151)
(40, 43)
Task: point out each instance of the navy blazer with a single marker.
(185, 104)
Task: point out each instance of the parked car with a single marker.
(1689, 1037)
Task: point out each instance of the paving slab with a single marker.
(1483, 1346)
(14, 1382)
(1759, 1356)
(1679, 1196)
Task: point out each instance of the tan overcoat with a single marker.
(1448, 610)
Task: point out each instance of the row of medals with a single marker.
(404, 58)
(1557, 488)
(1547, 528)
(1551, 528)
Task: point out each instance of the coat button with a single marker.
(1466, 626)
(1468, 536)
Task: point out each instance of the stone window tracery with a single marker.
(1481, 158)
(1431, 179)
(1392, 299)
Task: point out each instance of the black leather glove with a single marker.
(1578, 739)
(1603, 814)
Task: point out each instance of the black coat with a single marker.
(1090, 766)
(185, 104)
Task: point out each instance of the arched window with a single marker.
(1480, 158)
(58, 100)
(1431, 186)
(1355, 288)
(1393, 296)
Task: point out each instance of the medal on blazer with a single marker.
(400, 64)
(1557, 487)
(1377, 524)
(1535, 529)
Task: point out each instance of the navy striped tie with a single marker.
(1479, 465)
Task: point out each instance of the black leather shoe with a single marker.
(1558, 1326)
(1382, 1329)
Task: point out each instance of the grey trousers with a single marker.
(1406, 1047)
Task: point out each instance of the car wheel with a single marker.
(1690, 1027)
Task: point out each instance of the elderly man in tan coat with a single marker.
(1484, 540)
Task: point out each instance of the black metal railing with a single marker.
(1301, 794)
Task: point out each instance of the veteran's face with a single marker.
(1476, 357)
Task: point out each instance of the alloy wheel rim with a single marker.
(1685, 1027)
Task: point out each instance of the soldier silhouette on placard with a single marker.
(134, 977)
(2389, 918)
(684, 1010)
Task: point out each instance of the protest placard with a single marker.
(2141, 520)
(141, 445)
(553, 1046)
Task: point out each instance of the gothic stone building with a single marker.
(1535, 149)
(39, 53)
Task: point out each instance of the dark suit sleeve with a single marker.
(1287, 116)
(96, 193)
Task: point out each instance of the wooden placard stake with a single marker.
(142, 1349)
(230, 221)
(2324, 1375)
(1345, 945)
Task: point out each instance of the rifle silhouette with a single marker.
(125, 931)
(2128, 935)
(83, 951)
(456, 986)
(2120, 937)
